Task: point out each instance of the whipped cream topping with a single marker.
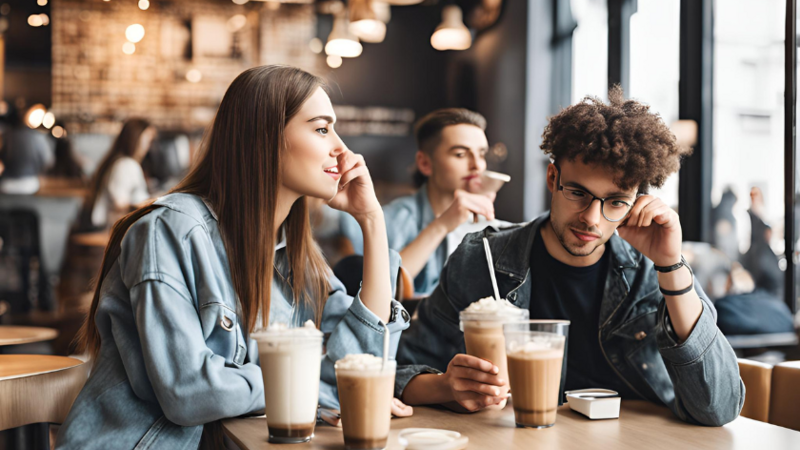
(360, 362)
(541, 348)
(284, 330)
(489, 305)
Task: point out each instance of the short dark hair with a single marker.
(623, 135)
(428, 129)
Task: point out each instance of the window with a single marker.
(590, 49)
(655, 68)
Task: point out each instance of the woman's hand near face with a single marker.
(356, 194)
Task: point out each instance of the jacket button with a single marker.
(644, 366)
(405, 316)
(640, 335)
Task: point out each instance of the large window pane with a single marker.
(655, 68)
(590, 49)
(748, 137)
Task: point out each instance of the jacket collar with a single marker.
(513, 248)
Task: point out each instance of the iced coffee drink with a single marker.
(290, 361)
(366, 388)
(535, 359)
(482, 323)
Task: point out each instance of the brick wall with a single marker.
(96, 86)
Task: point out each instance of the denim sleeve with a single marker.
(434, 337)
(193, 385)
(703, 369)
(352, 328)
(406, 373)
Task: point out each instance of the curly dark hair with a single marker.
(623, 135)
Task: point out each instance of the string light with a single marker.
(128, 48)
(134, 33)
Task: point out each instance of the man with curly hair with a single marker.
(607, 257)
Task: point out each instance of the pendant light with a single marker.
(341, 42)
(451, 34)
(365, 22)
(404, 2)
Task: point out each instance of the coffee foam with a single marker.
(491, 306)
(281, 330)
(360, 362)
(535, 350)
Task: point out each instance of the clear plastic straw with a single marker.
(491, 268)
(385, 346)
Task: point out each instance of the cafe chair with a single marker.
(757, 378)
(36, 389)
(784, 408)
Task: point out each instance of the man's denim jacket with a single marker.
(174, 355)
(698, 379)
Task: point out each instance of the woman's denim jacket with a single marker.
(174, 354)
(698, 378)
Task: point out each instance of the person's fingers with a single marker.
(347, 160)
(474, 363)
(478, 204)
(633, 215)
(467, 385)
(400, 409)
(477, 375)
(352, 174)
(473, 402)
(331, 417)
(646, 216)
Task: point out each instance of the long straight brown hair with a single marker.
(238, 173)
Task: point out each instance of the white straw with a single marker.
(491, 268)
(385, 345)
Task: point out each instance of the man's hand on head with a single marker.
(654, 229)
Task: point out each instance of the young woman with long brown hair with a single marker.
(185, 280)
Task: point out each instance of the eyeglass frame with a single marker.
(594, 197)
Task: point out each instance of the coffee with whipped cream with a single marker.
(366, 388)
(535, 361)
(290, 361)
(482, 323)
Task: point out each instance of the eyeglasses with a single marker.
(613, 209)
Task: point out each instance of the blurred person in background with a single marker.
(26, 154)
(724, 235)
(760, 260)
(119, 184)
(67, 165)
(427, 227)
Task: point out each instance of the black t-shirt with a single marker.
(561, 291)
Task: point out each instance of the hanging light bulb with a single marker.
(341, 42)
(134, 33)
(451, 34)
(403, 2)
(364, 21)
(334, 62)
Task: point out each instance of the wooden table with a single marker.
(15, 335)
(641, 425)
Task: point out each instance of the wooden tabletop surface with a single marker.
(20, 366)
(15, 335)
(641, 425)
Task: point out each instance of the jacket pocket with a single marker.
(647, 362)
